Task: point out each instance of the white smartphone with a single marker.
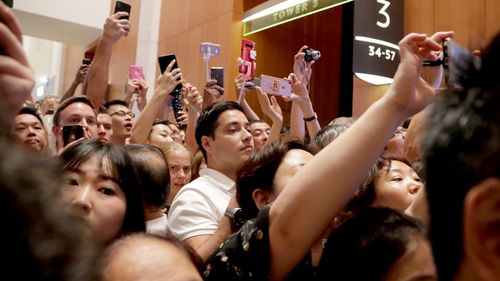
(275, 86)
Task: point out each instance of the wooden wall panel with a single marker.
(73, 60)
(419, 16)
(492, 19)
(465, 17)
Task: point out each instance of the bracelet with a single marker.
(312, 118)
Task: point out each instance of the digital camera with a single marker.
(311, 54)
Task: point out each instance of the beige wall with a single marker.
(474, 22)
(185, 24)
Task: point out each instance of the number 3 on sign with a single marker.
(383, 12)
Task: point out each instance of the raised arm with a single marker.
(325, 184)
(97, 81)
(239, 82)
(165, 84)
(79, 78)
(195, 102)
(273, 110)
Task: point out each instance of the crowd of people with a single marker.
(90, 191)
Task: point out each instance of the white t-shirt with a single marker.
(158, 226)
(198, 206)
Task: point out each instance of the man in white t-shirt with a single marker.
(197, 212)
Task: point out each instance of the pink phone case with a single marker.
(275, 86)
(136, 72)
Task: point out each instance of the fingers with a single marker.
(10, 66)
(11, 46)
(120, 14)
(441, 35)
(169, 66)
(8, 18)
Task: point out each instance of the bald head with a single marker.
(142, 256)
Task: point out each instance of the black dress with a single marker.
(244, 256)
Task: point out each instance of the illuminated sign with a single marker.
(252, 24)
(378, 27)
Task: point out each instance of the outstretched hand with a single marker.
(414, 48)
(115, 28)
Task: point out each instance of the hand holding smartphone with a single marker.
(164, 61)
(217, 73)
(122, 7)
(72, 133)
(135, 72)
(275, 86)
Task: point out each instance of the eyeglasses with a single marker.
(122, 113)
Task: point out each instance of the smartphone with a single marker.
(72, 133)
(122, 7)
(9, 3)
(86, 61)
(252, 84)
(135, 71)
(248, 55)
(208, 49)
(217, 73)
(456, 61)
(275, 86)
(164, 61)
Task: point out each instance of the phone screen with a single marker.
(217, 73)
(72, 133)
(122, 7)
(164, 61)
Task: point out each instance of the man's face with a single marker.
(232, 142)
(28, 132)
(104, 127)
(260, 134)
(122, 120)
(77, 113)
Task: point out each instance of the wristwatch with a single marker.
(236, 215)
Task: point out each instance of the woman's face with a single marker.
(397, 187)
(179, 167)
(416, 264)
(96, 197)
(293, 161)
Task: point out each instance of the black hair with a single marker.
(367, 245)
(68, 102)
(258, 172)
(151, 167)
(208, 121)
(121, 169)
(110, 103)
(461, 148)
(31, 111)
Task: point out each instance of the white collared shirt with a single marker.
(198, 206)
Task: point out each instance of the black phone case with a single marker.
(164, 61)
(72, 133)
(122, 7)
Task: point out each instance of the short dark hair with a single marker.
(122, 171)
(110, 103)
(208, 121)
(151, 166)
(31, 111)
(68, 102)
(258, 172)
(461, 148)
(367, 245)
